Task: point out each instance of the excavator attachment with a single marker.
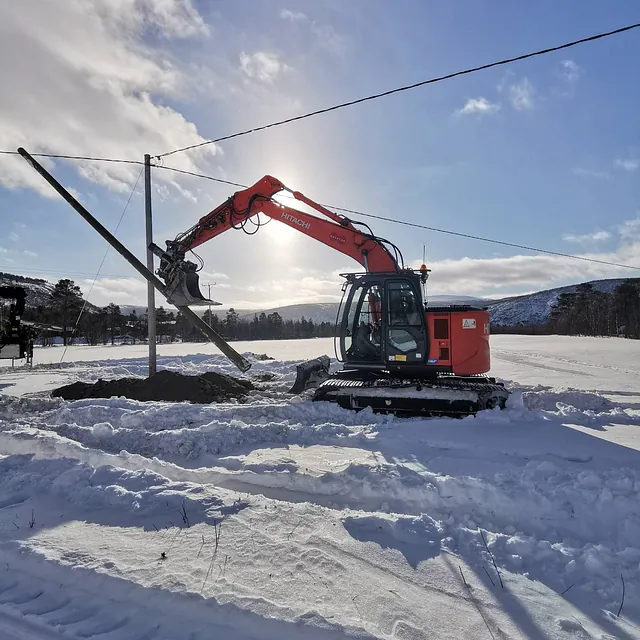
(182, 282)
(183, 290)
(310, 374)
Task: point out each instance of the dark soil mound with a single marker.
(164, 385)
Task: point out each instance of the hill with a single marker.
(535, 308)
(530, 309)
(326, 311)
(38, 290)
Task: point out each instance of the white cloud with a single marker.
(118, 290)
(293, 16)
(628, 164)
(212, 276)
(479, 106)
(326, 36)
(587, 238)
(493, 276)
(87, 83)
(14, 237)
(570, 71)
(591, 173)
(261, 65)
(522, 95)
(166, 18)
(630, 229)
(30, 254)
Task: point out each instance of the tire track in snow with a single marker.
(101, 605)
(531, 498)
(534, 360)
(508, 356)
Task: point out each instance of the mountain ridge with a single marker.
(532, 309)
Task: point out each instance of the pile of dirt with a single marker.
(168, 386)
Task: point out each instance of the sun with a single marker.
(277, 234)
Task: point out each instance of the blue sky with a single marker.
(544, 152)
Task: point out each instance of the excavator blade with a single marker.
(183, 290)
(310, 374)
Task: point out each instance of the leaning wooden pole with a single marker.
(241, 362)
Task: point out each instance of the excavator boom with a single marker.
(332, 229)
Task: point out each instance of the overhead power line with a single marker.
(200, 175)
(104, 257)
(426, 227)
(346, 104)
(63, 156)
(408, 87)
(472, 237)
(360, 213)
(11, 268)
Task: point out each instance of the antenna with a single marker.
(424, 282)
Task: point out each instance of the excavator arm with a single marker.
(333, 230)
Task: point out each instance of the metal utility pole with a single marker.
(151, 292)
(209, 285)
(240, 361)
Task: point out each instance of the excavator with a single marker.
(16, 339)
(399, 355)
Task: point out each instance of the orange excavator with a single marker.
(399, 355)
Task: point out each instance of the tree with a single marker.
(274, 324)
(231, 324)
(93, 326)
(66, 302)
(114, 320)
(162, 321)
(135, 326)
(626, 304)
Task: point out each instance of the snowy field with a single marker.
(281, 518)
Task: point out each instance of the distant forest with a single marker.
(599, 313)
(109, 325)
(586, 311)
(589, 312)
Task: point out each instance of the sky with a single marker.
(543, 152)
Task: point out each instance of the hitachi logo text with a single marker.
(300, 223)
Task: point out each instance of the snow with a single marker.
(281, 518)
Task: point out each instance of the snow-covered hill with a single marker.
(535, 308)
(318, 312)
(530, 309)
(326, 311)
(37, 290)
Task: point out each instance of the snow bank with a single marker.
(343, 523)
(139, 494)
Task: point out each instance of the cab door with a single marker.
(361, 326)
(406, 333)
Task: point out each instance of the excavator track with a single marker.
(444, 396)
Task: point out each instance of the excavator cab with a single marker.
(383, 322)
